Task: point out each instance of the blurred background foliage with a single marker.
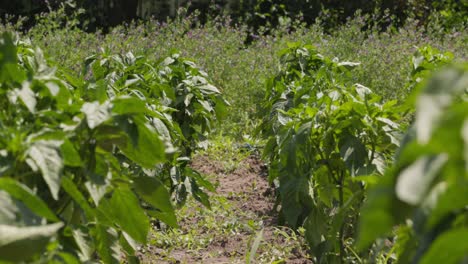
(237, 42)
(257, 14)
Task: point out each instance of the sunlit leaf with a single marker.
(22, 243)
(46, 155)
(96, 113)
(414, 181)
(83, 241)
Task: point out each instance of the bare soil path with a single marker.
(242, 206)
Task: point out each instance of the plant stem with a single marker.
(341, 235)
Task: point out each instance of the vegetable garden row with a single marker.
(87, 162)
(343, 173)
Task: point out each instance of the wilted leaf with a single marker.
(54, 89)
(168, 61)
(417, 60)
(161, 128)
(206, 105)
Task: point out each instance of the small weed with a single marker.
(225, 232)
(227, 152)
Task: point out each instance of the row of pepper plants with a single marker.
(331, 150)
(88, 160)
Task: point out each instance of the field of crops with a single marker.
(303, 146)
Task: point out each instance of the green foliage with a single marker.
(239, 71)
(197, 101)
(188, 102)
(447, 15)
(424, 192)
(227, 220)
(98, 14)
(86, 160)
(328, 140)
(424, 62)
(326, 137)
(219, 48)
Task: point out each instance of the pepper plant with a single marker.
(422, 199)
(83, 159)
(190, 102)
(325, 135)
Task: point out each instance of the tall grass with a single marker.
(239, 69)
